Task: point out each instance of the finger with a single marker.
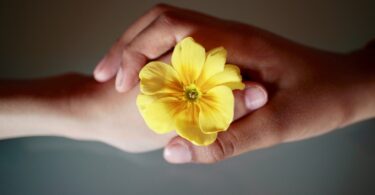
(145, 20)
(154, 41)
(166, 58)
(253, 97)
(228, 143)
(109, 65)
(249, 133)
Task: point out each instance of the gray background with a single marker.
(42, 38)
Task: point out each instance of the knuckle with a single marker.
(127, 56)
(130, 51)
(125, 52)
(127, 48)
(223, 148)
(133, 55)
(169, 18)
(139, 50)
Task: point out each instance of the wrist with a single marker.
(81, 109)
(32, 116)
(41, 107)
(94, 107)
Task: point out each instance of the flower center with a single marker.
(192, 93)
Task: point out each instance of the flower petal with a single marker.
(230, 77)
(158, 113)
(188, 58)
(143, 101)
(216, 109)
(187, 126)
(158, 77)
(214, 63)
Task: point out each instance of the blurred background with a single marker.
(43, 38)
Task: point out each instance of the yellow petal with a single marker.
(143, 101)
(187, 126)
(158, 113)
(216, 109)
(158, 77)
(214, 64)
(230, 77)
(188, 58)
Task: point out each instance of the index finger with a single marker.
(110, 63)
(152, 42)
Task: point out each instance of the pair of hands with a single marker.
(310, 91)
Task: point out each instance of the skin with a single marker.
(70, 106)
(311, 92)
(78, 107)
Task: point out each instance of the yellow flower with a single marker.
(192, 96)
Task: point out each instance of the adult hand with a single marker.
(311, 91)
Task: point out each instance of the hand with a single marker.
(77, 107)
(113, 118)
(311, 91)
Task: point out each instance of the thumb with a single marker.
(179, 150)
(251, 98)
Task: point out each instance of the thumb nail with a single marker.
(177, 153)
(255, 97)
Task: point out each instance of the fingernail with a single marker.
(177, 153)
(255, 97)
(119, 79)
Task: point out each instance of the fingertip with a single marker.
(177, 152)
(101, 76)
(255, 96)
(98, 71)
(102, 73)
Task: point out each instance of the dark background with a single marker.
(43, 38)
